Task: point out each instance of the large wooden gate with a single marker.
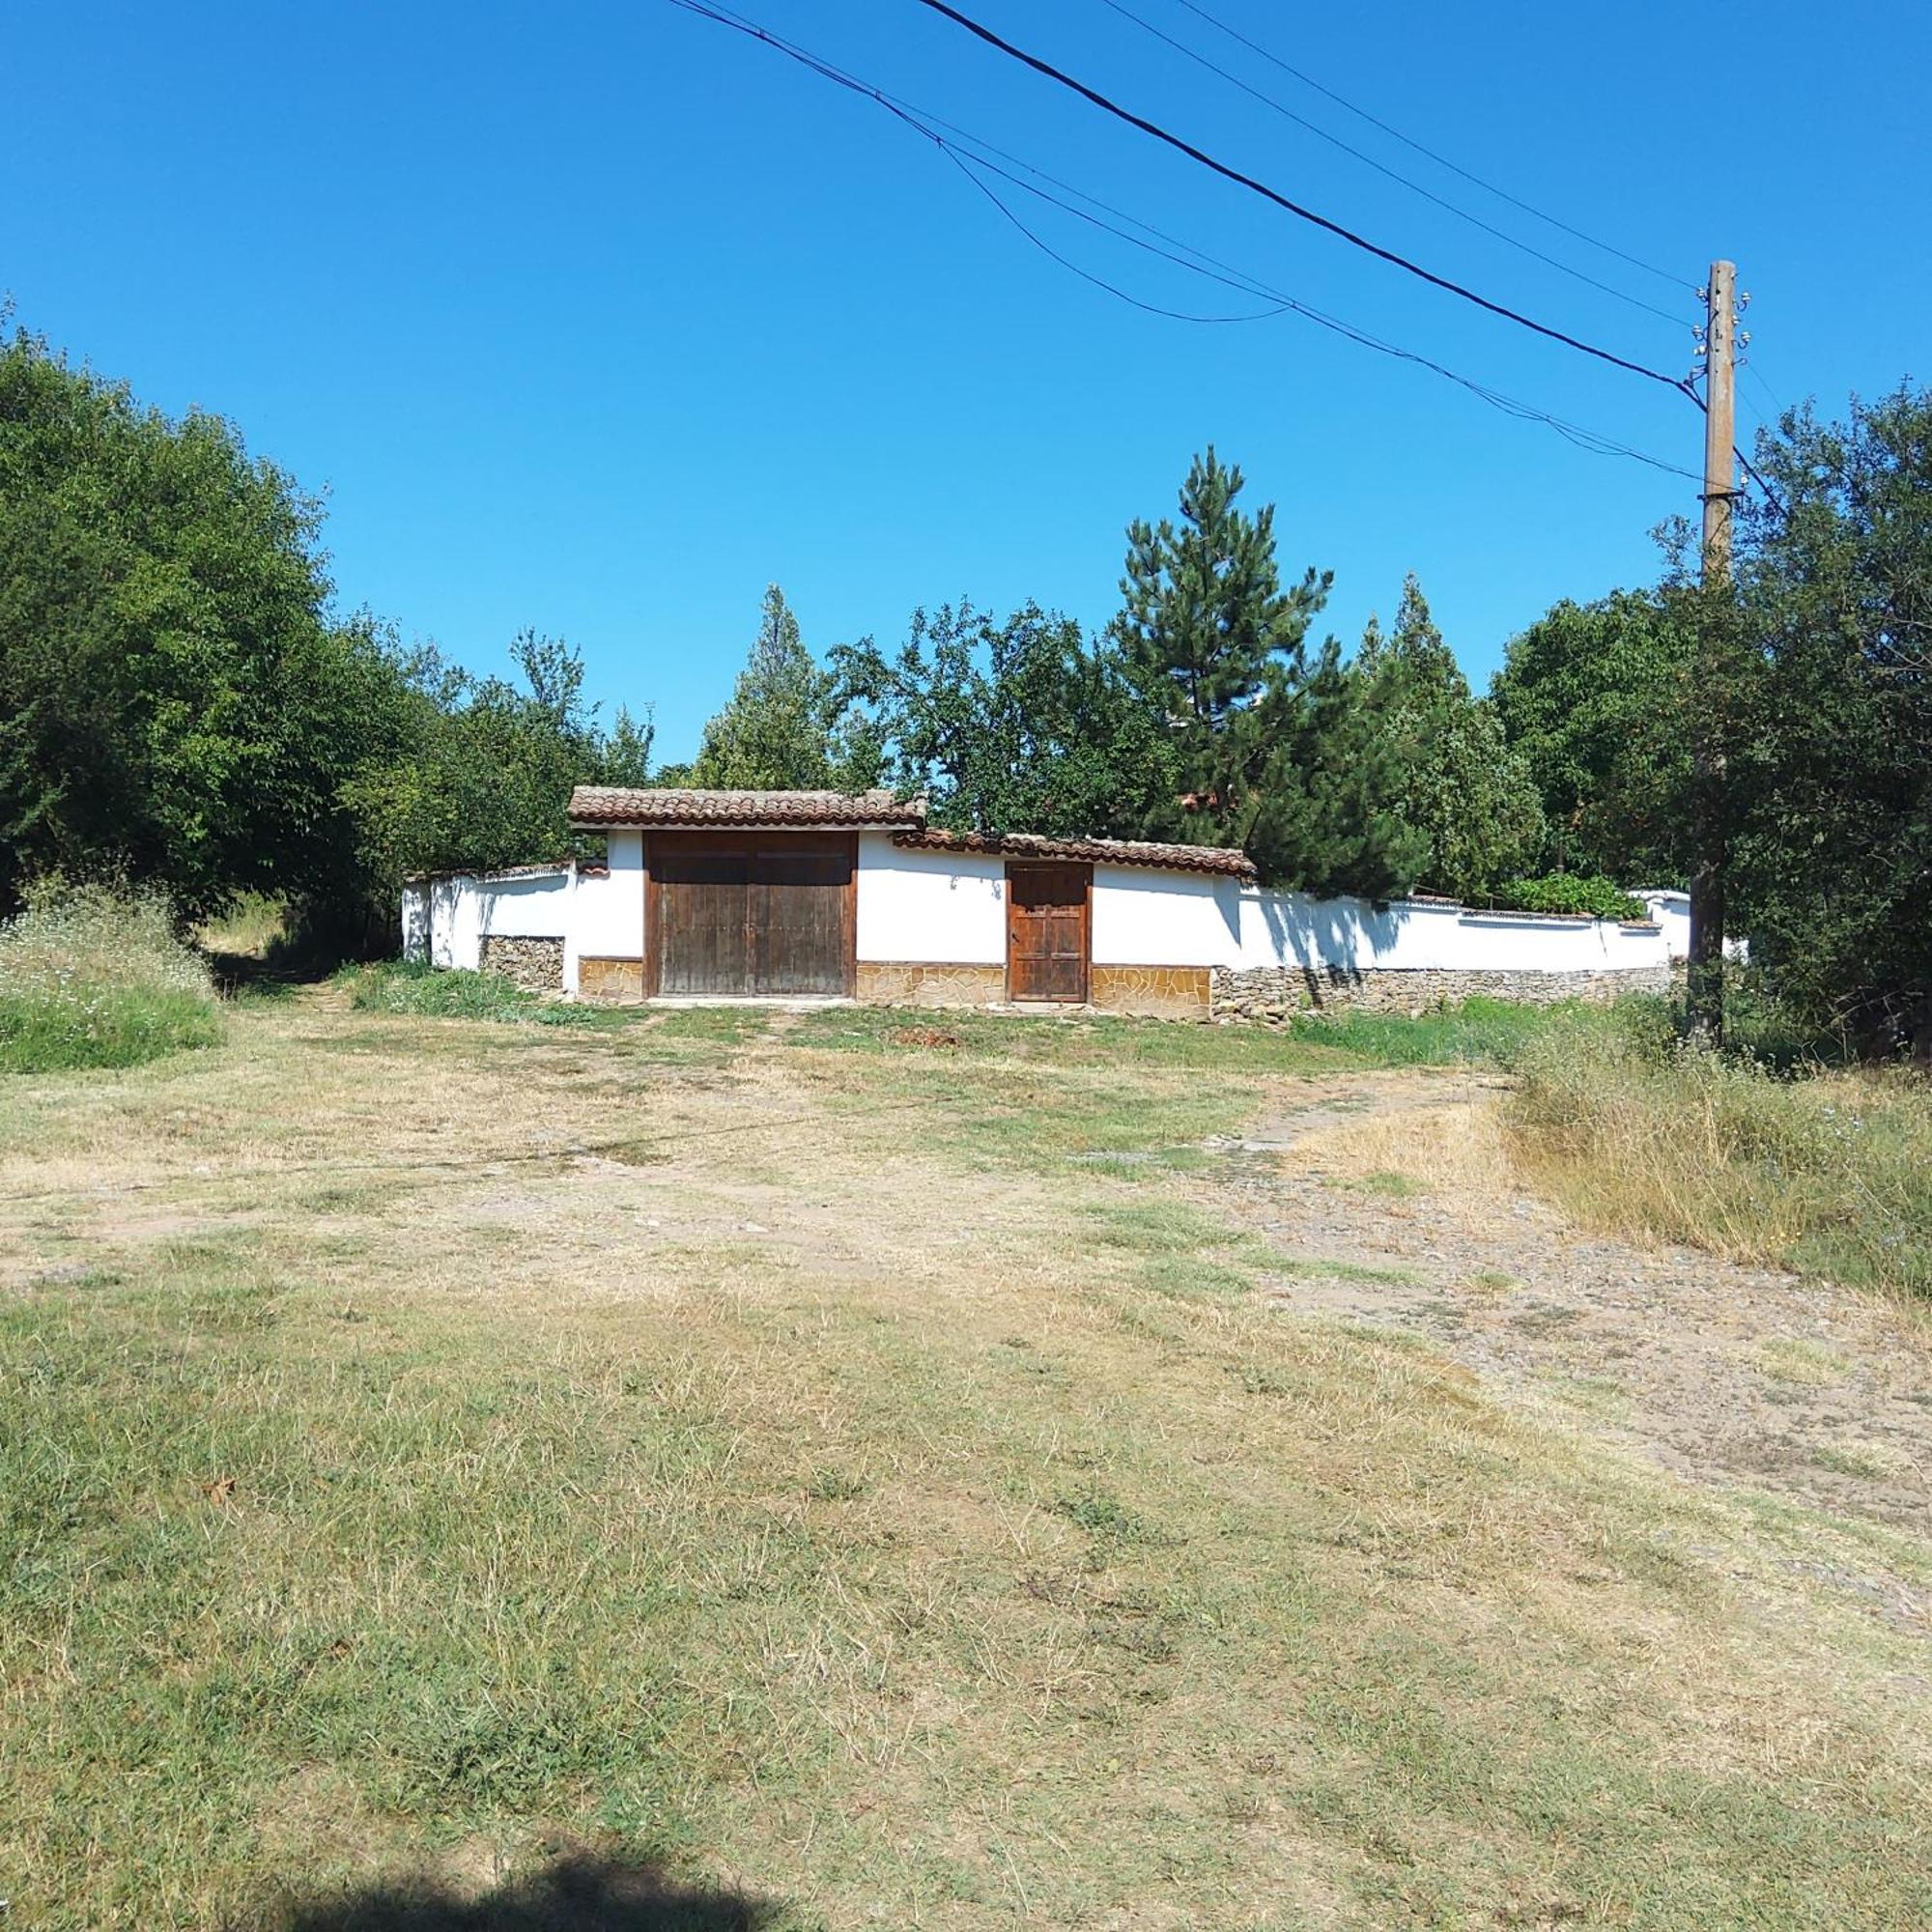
(1047, 931)
(751, 915)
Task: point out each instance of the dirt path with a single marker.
(1390, 1200)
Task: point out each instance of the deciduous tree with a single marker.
(1013, 725)
(1592, 697)
(1831, 768)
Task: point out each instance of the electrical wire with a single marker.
(1395, 175)
(1430, 154)
(968, 164)
(1764, 388)
(1578, 434)
(1062, 78)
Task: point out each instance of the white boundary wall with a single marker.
(932, 908)
(949, 908)
(444, 920)
(607, 914)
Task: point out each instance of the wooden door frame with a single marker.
(723, 839)
(1086, 870)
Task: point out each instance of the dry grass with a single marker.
(425, 1445)
(1453, 1150)
(1830, 1174)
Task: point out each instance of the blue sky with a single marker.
(598, 318)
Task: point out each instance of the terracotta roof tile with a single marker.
(1101, 851)
(617, 804)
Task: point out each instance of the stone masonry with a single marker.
(534, 964)
(892, 984)
(1278, 992)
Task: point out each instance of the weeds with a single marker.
(91, 976)
(444, 993)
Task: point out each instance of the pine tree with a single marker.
(1214, 643)
(1455, 782)
(776, 731)
(1276, 752)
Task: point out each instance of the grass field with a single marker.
(714, 1471)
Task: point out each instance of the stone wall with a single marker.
(1277, 992)
(887, 983)
(534, 964)
(1153, 992)
(619, 980)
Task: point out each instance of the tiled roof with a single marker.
(617, 804)
(1101, 851)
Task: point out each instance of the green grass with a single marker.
(96, 978)
(119, 1026)
(409, 987)
(1473, 1031)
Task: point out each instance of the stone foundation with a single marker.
(619, 980)
(534, 964)
(1153, 992)
(1279, 992)
(903, 983)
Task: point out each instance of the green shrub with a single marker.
(94, 976)
(1577, 892)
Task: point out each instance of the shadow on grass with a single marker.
(574, 1895)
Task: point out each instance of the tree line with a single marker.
(182, 703)
(1207, 713)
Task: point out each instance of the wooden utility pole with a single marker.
(1705, 982)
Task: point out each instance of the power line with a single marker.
(1369, 160)
(1238, 279)
(1181, 146)
(1770, 396)
(1441, 161)
(1583, 437)
(927, 125)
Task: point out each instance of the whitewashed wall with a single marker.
(930, 908)
(608, 912)
(1143, 917)
(1293, 929)
(1671, 910)
(445, 920)
(948, 908)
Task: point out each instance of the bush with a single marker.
(94, 977)
(1829, 1172)
(1580, 893)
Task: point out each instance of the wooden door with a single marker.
(799, 912)
(737, 915)
(1046, 931)
(700, 900)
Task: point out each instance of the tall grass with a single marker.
(94, 976)
(1830, 1173)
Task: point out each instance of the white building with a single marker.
(739, 895)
